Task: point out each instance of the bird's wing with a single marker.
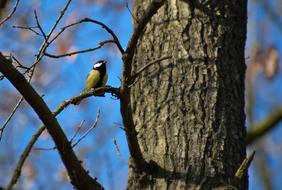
(92, 79)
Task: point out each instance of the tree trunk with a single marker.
(189, 110)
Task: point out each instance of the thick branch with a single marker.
(74, 100)
(78, 175)
(61, 107)
(125, 106)
(265, 126)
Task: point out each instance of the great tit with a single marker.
(97, 77)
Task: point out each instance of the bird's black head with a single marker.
(100, 65)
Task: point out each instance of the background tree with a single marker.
(98, 150)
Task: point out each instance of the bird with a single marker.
(97, 77)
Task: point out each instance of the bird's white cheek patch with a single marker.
(97, 65)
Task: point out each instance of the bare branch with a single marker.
(39, 26)
(62, 106)
(265, 126)
(31, 28)
(101, 44)
(38, 57)
(10, 117)
(63, 29)
(46, 44)
(78, 175)
(19, 63)
(17, 105)
(110, 31)
(127, 7)
(40, 149)
(11, 14)
(108, 89)
(77, 131)
(117, 147)
(88, 131)
(107, 29)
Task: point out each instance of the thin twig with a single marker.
(62, 30)
(31, 28)
(10, 117)
(116, 146)
(149, 64)
(101, 44)
(40, 149)
(77, 131)
(71, 140)
(11, 14)
(19, 63)
(39, 26)
(88, 131)
(108, 30)
(119, 151)
(45, 44)
(131, 12)
(16, 106)
(85, 20)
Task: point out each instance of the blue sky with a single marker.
(98, 149)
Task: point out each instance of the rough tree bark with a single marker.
(189, 110)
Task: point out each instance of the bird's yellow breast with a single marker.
(93, 79)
